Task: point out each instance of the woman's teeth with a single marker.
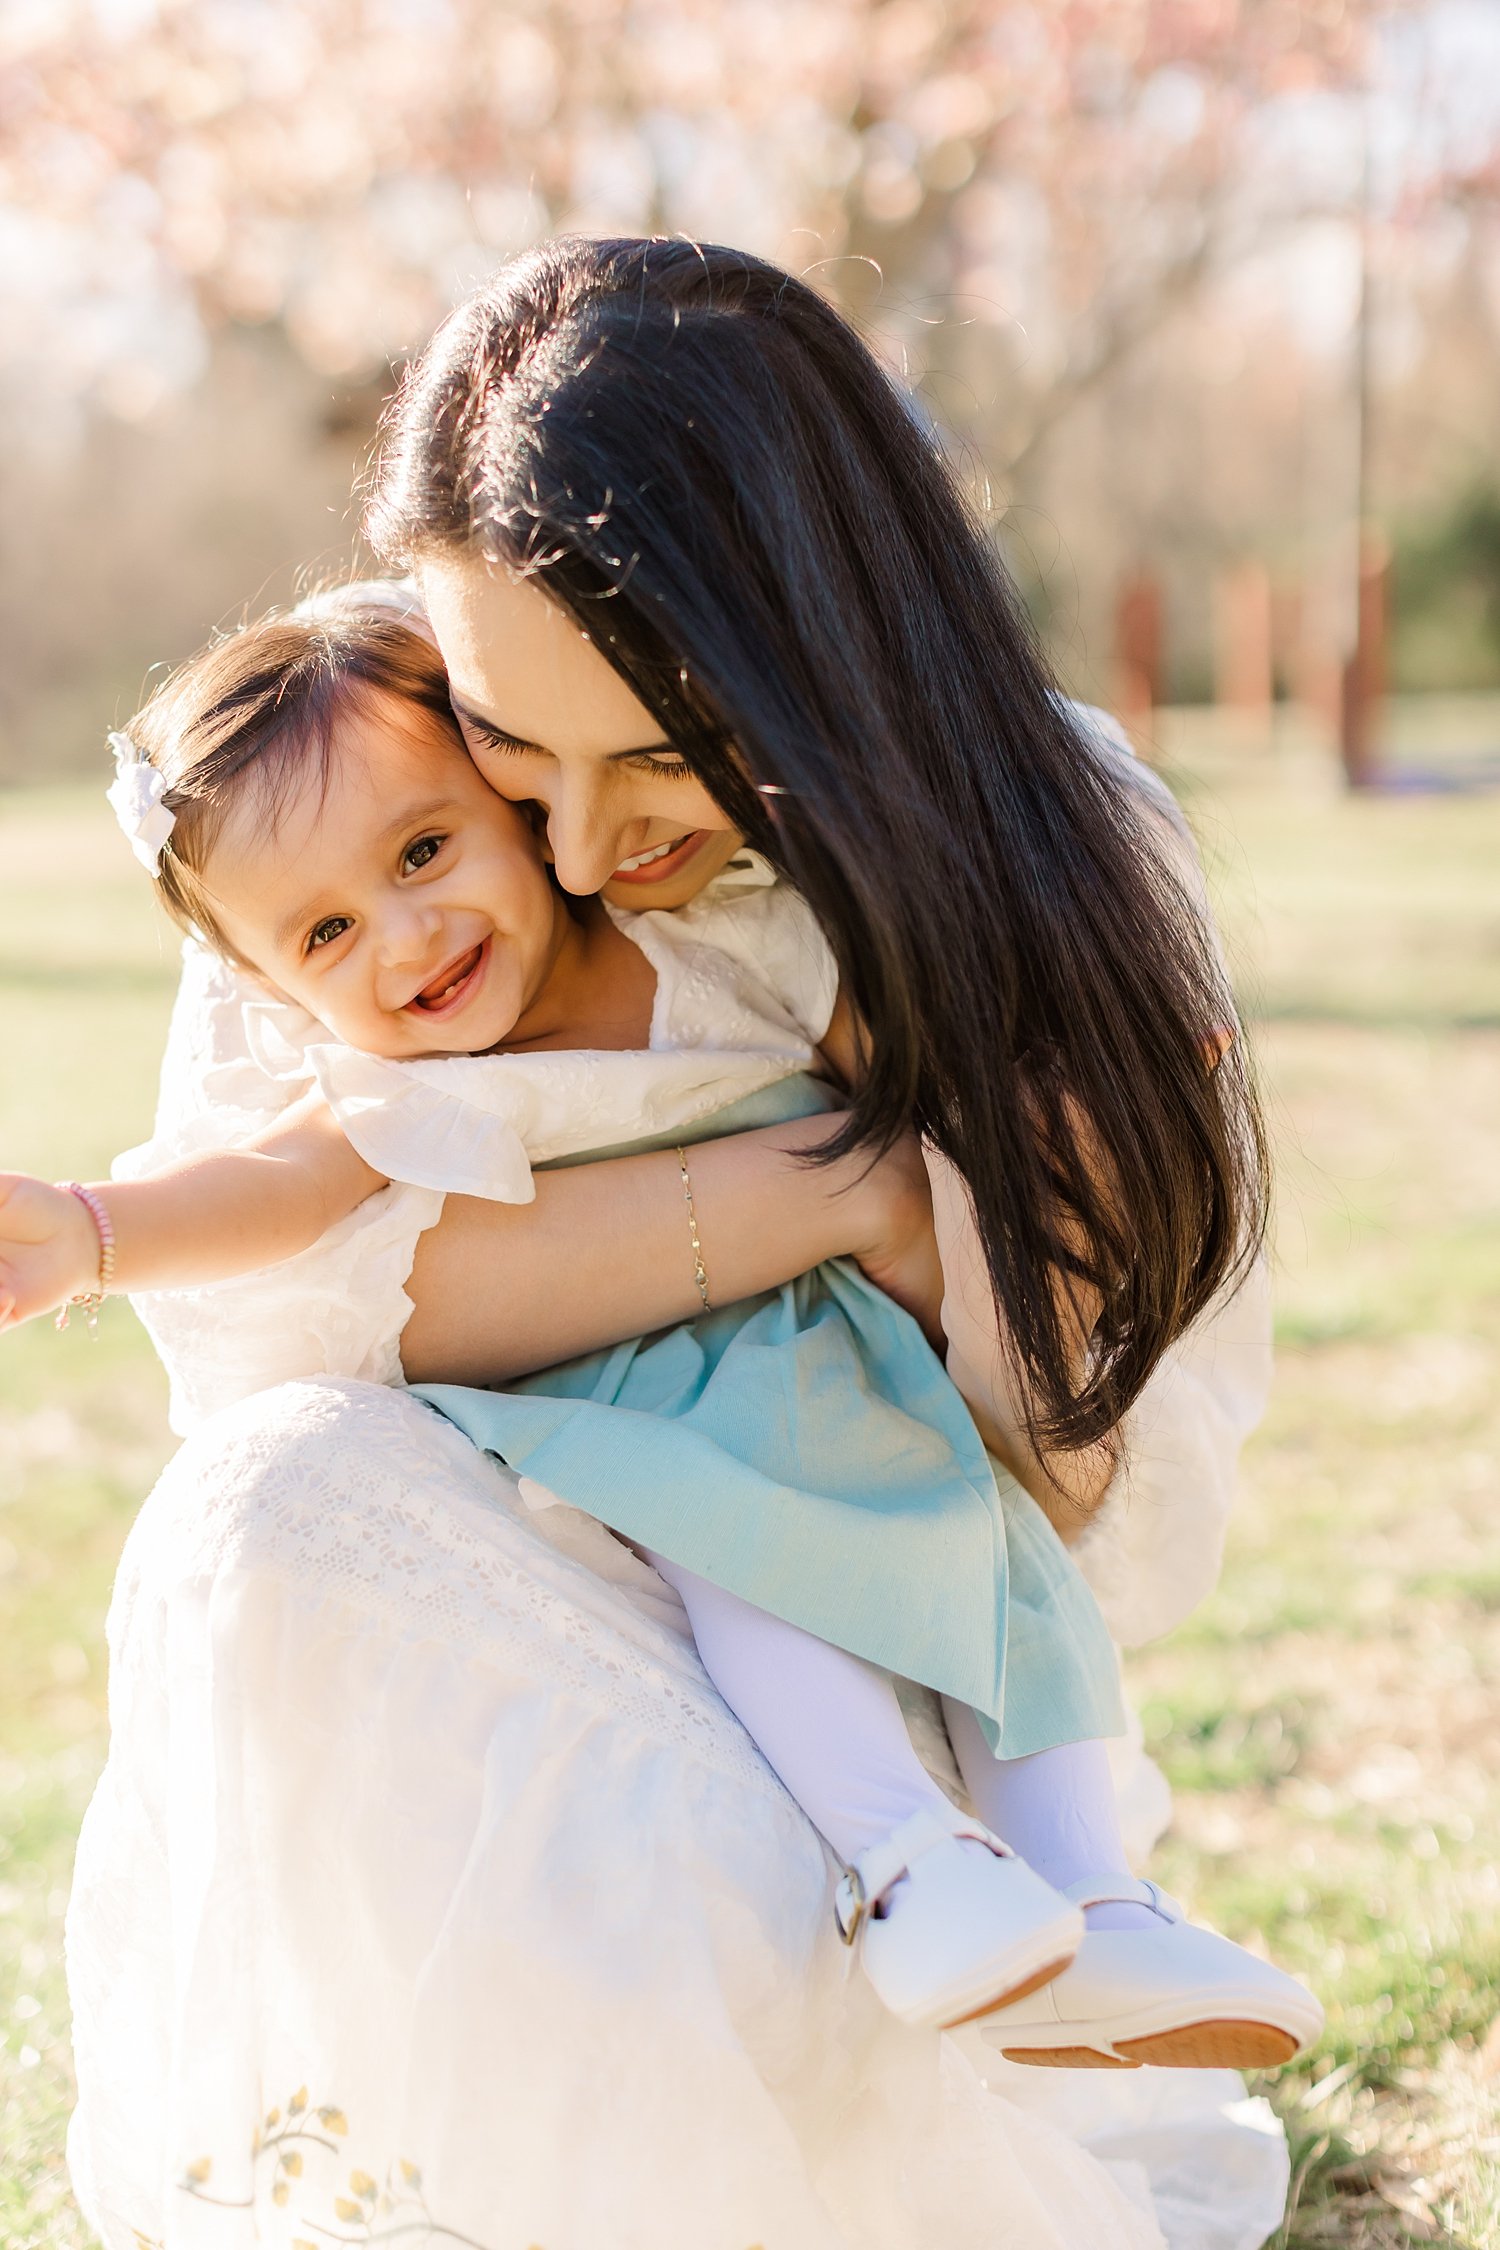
(644, 859)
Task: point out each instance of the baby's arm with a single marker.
(208, 1217)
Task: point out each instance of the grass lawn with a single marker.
(1327, 1719)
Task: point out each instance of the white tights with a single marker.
(831, 1726)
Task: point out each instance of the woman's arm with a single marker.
(604, 1252)
(1067, 1486)
(205, 1218)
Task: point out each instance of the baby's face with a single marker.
(404, 903)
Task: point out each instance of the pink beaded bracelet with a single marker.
(92, 1299)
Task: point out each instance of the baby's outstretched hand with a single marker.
(49, 1248)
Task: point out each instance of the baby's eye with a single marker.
(422, 853)
(332, 926)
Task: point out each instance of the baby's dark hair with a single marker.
(249, 712)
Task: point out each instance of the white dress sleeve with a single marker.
(337, 1308)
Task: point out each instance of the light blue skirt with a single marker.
(806, 1450)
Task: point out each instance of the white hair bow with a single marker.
(136, 794)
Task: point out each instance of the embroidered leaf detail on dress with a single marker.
(366, 2208)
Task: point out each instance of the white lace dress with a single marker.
(431, 1895)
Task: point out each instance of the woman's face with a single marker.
(550, 722)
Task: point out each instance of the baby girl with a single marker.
(798, 1466)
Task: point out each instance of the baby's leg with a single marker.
(1056, 1808)
(828, 1722)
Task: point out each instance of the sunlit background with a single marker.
(1204, 296)
(1196, 287)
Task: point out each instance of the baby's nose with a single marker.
(409, 935)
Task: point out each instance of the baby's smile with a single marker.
(455, 985)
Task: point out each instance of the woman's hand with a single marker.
(49, 1249)
(901, 1255)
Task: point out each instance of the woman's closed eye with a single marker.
(666, 764)
(670, 768)
(493, 738)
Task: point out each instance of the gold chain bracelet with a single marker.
(700, 1270)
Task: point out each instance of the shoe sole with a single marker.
(955, 2007)
(1211, 2045)
(1017, 1992)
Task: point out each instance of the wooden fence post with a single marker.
(1363, 685)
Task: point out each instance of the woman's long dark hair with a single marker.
(702, 463)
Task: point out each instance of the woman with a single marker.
(402, 1797)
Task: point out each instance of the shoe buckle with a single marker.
(851, 1905)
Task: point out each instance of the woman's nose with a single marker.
(587, 838)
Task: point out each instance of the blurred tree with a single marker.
(1062, 217)
(1062, 173)
(1447, 590)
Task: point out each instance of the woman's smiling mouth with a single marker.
(454, 984)
(661, 860)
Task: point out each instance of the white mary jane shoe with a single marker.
(1173, 1995)
(962, 1932)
